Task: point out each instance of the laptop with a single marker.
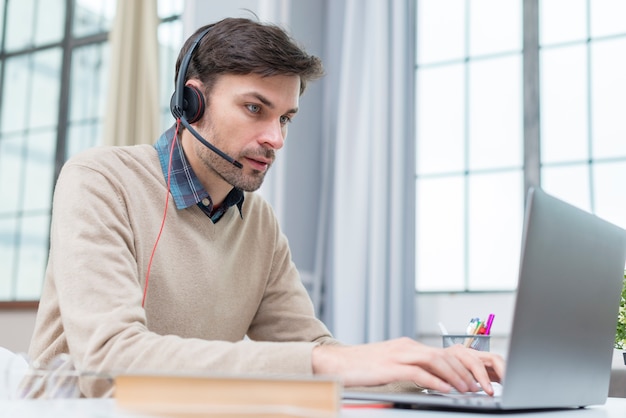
(561, 341)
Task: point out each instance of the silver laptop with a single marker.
(561, 341)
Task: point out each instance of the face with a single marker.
(247, 118)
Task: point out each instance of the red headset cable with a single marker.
(167, 199)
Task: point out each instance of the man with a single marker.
(136, 284)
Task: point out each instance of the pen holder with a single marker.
(477, 342)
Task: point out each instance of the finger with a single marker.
(425, 379)
(495, 365)
(446, 365)
(426, 367)
(482, 376)
(474, 364)
(430, 369)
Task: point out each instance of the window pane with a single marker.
(607, 17)
(608, 105)
(89, 83)
(20, 25)
(495, 113)
(495, 220)
(564, 104)
(45, 68)
(82, 136)
(31, 91)
(7, 257)
(93, 16)
(170, 41)
(440, 30)
(440, 119)
(50, 21)
(555, 28)
(88, 94)
(11, 163)
(570, 183)
(15, 101)
(2, 19)
(609, 191)
(33, 254)
(38, 175)
(440, 259)
(167, 8)
(495, 26)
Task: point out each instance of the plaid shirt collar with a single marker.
(185, 186)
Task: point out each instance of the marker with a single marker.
(473, 325)
(489, 323)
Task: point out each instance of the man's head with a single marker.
(241, 46)
(250, 76)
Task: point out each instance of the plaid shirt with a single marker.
(185, 186)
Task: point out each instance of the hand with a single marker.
(404, 359)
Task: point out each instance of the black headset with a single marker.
(187, 103)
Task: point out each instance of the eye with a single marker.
(253, 108)
(285, 120)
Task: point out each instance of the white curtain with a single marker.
(132, 115)
(363, 275)
(368, 180)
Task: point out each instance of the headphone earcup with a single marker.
(193, 104)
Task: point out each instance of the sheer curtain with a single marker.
(362, 273)
(367, 260)
(132, 115)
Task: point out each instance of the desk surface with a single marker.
(105, 408)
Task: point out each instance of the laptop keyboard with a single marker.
(497, 389)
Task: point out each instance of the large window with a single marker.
(53, 79)
(482, 136)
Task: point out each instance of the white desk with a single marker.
(105, 408)
(614, 408)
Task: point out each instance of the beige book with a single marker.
(191, 395)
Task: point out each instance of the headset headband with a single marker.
(179, 102)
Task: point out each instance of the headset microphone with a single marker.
(187, 103)
(210, 146)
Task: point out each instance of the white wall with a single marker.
(16, 327)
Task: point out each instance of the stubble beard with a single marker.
(237, 177)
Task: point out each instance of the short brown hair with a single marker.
(242, 46)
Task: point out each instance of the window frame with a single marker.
(69, 43)
(534, 167)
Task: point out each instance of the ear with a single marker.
(193, 103)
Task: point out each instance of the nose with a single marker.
(274, 135)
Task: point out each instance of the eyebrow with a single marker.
(267, 102)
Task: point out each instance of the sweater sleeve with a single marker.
(286, 312)
(91, 303)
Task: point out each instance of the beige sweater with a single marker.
(210, 284)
